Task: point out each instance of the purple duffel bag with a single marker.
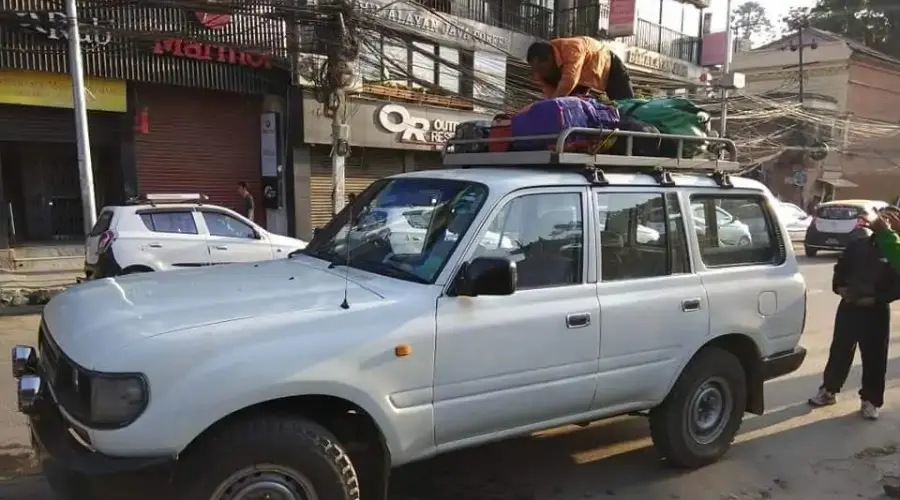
(551, 116)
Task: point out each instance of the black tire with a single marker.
(135, 270)
(810, 252)
(293, 444)
(670, 422)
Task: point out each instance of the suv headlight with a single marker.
(117, 400)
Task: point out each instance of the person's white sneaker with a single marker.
(868, 411)
(822, 398)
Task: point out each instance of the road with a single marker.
(789, 453)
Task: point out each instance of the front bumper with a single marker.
(783, 363)
(70, 465)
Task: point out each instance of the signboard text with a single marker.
(397, 120)
(210, 52)
(51, 25)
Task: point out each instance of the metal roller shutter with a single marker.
(42, 124)
(363, 167)
(199, 141)
(427, 161)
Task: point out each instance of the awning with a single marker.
(838, 183)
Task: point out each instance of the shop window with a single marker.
(448, 77)
(425, 66)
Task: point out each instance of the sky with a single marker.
(775, 8)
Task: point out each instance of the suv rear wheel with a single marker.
(696, 423)
(270, 457)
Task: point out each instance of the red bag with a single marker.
(501, 127)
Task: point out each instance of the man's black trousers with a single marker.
(870, 328)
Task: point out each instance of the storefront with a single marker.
(167, 114)
(40, 195)
(386, 138)
(657, 71)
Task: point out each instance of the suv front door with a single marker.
(506, 363)
(232, 240)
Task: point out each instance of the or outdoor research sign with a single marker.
(409, 128)
(53, 90)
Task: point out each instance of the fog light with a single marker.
(24, 360)
(28, 393)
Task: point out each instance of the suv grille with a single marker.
(71, 384)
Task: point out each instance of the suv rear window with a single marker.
(103, 223)
(838, 212)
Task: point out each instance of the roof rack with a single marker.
(594, 164)
(168, 198)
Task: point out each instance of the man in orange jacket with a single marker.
(578, 66)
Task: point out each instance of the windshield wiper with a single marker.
(388, 270)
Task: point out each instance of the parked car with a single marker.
(731, 230)
(795, 220)
(836, 224)
(791, 216)
(292, 378)
(165, 232)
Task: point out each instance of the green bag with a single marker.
(671, 115)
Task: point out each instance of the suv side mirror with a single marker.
(487, 276)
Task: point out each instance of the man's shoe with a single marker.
(868, 411)
(822, 398)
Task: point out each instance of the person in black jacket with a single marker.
(867, 285)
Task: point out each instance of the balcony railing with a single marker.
(524, 17)
(593, 20)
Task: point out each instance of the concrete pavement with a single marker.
(791, 452)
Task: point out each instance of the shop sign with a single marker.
(446, 26)
(211, 52)
(268, 141)
(397, 119)
(657, 62)
(52, 25)
(622, 17)
(54, 90)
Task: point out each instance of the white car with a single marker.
(312, 377)
(795, 219)
(165, 232)
(732, 231)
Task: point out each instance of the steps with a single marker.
(42, 260)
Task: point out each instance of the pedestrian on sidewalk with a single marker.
(867, 285)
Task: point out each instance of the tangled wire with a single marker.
(336, 71)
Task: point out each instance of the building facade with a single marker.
(852, 93)
(167, 114)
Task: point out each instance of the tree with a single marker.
(749, 21)
(874, 23)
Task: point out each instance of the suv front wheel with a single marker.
(697, 422)
(270, 457)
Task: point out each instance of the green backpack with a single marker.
(671, 115)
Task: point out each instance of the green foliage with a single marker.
(749, 20)
(874, 23)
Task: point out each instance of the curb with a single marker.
(20, 310)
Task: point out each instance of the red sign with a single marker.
(622, 15)
(212, 21)
(211, 52)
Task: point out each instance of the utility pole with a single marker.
(85, 169)
(799, 25)
(726, 68)
(341, 52)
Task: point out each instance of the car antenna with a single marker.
(345, 304)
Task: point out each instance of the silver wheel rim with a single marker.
(709, 411)
(265, 482)
(744, 241)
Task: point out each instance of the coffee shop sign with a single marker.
(420, 19)
(655, 61)
(397, 120)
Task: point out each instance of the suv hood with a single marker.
(108, 313)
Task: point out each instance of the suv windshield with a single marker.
(405, 228)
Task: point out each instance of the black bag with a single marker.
(472, 130)
(641, 146)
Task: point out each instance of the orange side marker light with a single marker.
(402, 350)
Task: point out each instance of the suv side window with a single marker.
(746, 236)
(181, 222)
(543, 234)
(220, 224)
(641, 236)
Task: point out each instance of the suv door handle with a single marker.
(690, 305)
(221, 247)
(155, 245)
(578, 320)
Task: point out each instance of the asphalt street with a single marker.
(791, 452)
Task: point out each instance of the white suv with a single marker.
(163, 232)
(311, 377)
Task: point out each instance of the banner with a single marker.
(622, 17)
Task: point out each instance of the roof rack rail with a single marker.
(155, 199)
(558, 156)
